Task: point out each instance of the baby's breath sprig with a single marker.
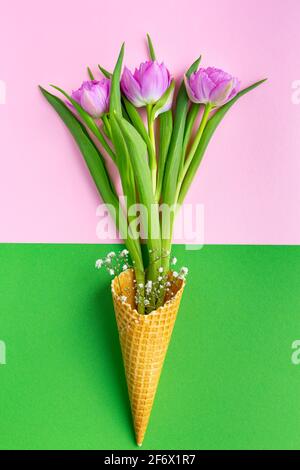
(150, 293)
(115, 264)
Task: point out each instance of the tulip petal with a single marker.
(212, 85)
(153, 83)
(93, 96)
(205, 85)
(131, 88)
(219, 95)
(190, 89)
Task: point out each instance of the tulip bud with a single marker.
(147, 85)
(93, 97)
(211, 85)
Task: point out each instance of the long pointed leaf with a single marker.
(90, 73)
(165, 134)
(104, 71)
(123, 162)
(190, 121)
(94, 161)
(115, 94)
(89, 122)
(151, 48)
(207, 135)
(138, 151)
(163, 100)
(138, 122)
(175, 151)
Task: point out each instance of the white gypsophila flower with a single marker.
(111, 272)
(124, 253)
(168, 284)
(146, 302)
(125, 267)
(159, 278)
(184, 271)
(112, 254)
(149, 285)
(141, 285)
(175, 274)
(161, 270)
(173, 261)
(99, 263)
(123, 298)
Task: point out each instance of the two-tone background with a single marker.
(231, 379)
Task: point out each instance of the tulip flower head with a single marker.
(147, 85)
(93, 97)
(211, 86)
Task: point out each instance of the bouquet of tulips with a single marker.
(157, 153)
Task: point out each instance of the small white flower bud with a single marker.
(99, 263)
(184, 271)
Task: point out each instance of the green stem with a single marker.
(135, 251)
(152, 275)
(152, 156)
(140, 280)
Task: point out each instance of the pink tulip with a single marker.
(211, 85)
(93, 97)
(147, 85)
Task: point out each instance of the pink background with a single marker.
(249, 181)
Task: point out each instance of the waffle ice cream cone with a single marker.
(144, 343)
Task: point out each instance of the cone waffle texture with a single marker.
(144, 343)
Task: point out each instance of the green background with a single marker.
(228, 380)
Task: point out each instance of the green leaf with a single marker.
(193, 67)
(91, 154)
(165, 134)
(138, 152)
(115, 94)
(206, 137)
(191, 118)
(123, 163)
(137, 121)
(95, 164)
(151, 48)
(175, 151)
(89, 121)
(108, 74)
(90, 73)
(104, 72)
(162, 101)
